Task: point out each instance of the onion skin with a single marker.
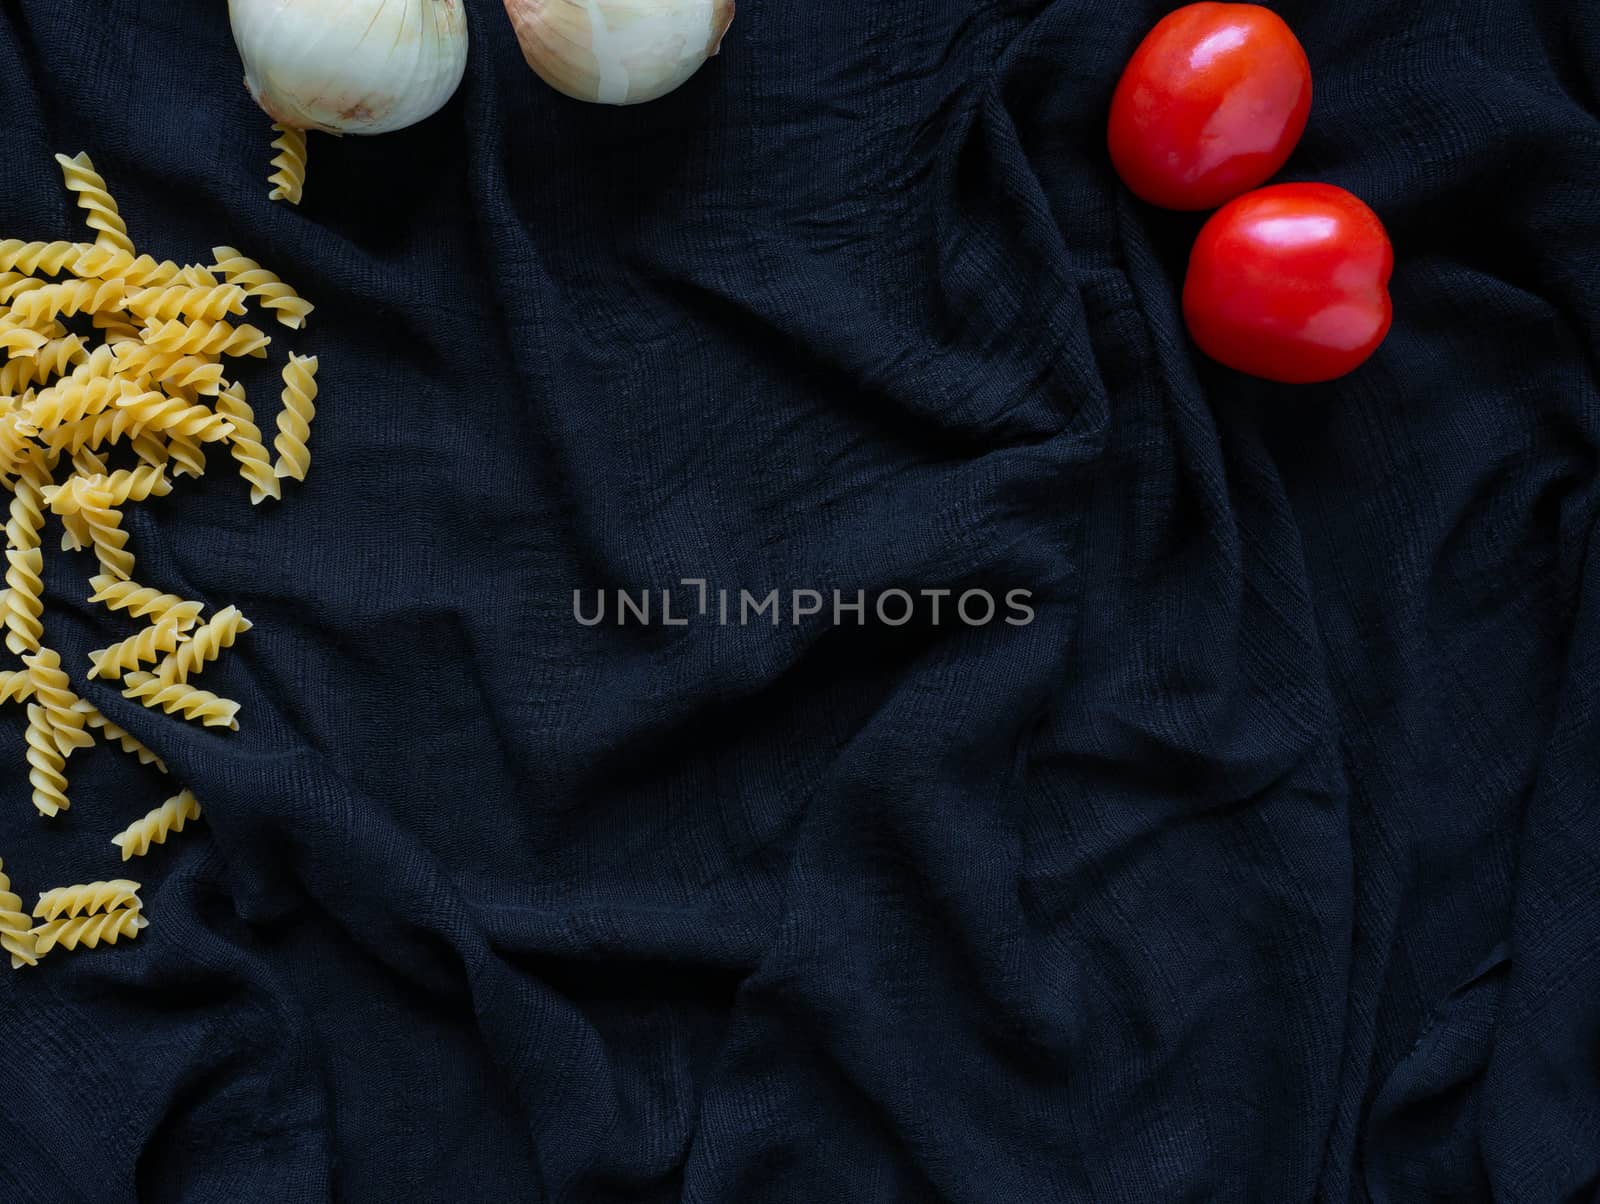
(351, 66)
(618, 52)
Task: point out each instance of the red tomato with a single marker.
(1211, 105)
(1291, 283)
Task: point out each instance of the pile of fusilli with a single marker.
(112, 387)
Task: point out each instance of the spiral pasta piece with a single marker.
(41, 305)
(109, 426)
(135, 271)
(286, 304)
(141, 602)
(18, 339)
(117, 328)
(100, 210)
(40, 258)
(56, 357)
(94, 504)
(73, 399)
(16, 937)
(136, 839)
(89, 931)
(87, 898)
(288, 178)
(294, 420)
(172, 368)
(47, 768)
(255, 466)
(24, 599)
(200, 706)
(188, 456)
(121, 487)
(17, 429)
(53, 689)
(171, 416)
(204, 646)
(199, 303)
(15, 685)
(148, 647)
(116, 735)
(206, 338)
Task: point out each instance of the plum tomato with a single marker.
(1291, 283)
(1211, 105)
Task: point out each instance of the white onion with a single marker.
(351, 66)
(618, 52)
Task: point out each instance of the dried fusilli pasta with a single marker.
(15, 685)
(136, 839)
(90, 930)
(179, 698)
(86, 899)
(254, 464)
(288, 178)
(53, 690)
(289, 306)
(24, 599)
(142, 602)
(294, 420)
(115, 735)
(205, 645)
(16, 937)
(206, 338)
(106, 350)
(210, 304)
(101, 211)
(47, 768)
(40, 258)
(147, 647)
(40, 305)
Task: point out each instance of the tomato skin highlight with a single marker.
(1291, 284)
(1211, 105)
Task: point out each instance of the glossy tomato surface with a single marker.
(1211, 105)
(1291, 283)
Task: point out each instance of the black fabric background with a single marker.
(1261, 867)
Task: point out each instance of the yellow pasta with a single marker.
(205, 645)
(135, 271)
(206, 338)
(18, 339)
(178, 698)
(202, 303)
(147, 647)
(102, 216)
(115, 735)
(15, 685)
(106, 349)
(96, 506)
(87, 899)
(288, 306)
(173, 369)
(294, 420)
(54, 692)
(24, 599)
(89, 931)
(41, 305)
(136, 839)
(254, 465)
(47, 768)
(16, 937)
(141, 602)
(41, 258)
(288, 178)
(53, 358)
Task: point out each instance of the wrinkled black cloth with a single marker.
(1264, 865)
